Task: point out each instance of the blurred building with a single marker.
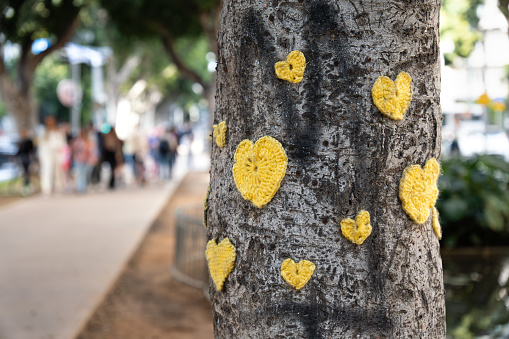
(463, 84)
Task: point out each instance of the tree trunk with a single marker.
(17, 92)
(344, 156)
(19, 102)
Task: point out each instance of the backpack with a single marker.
(164, 146)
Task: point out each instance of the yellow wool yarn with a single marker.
(206, 207)
(436, 224)
(357, 230)
(293, 68)
(299, 274)
(259, 169)
(220, 133)
(393, 98)
(418, 190)
(220, 259)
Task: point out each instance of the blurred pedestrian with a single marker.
(163, 156)
(65, 155)
(97, 138)
(112, 154)
(25, 154)
(50, 147)
(83, 154)
(174, 143)
(135, 150)
(153, 146)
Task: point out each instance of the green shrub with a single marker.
(474, 201)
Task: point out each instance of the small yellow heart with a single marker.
(220, 259)
(356, 230)
(259, 169)
(220, 133)
(393, 98)
(418, 190)
(436, 224)
(299, 274)
(293, 68)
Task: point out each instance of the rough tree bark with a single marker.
(343, 156)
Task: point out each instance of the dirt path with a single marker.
(7, 200)
(147, 302)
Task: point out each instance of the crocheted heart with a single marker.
(220, 133)
(293, 68)
(299, 274)
(259, 169)
(418, 190)
(393, 98)
(356, 230)
(220, 259)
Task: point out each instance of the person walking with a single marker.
(82, 152)
(97, 138)
(112, 153)
(93, 174)
(163, 156)
(135, 149)
(25, 154)
(174, 141)
(50, 146)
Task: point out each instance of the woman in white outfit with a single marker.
(50, 147)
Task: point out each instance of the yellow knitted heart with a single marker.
(220, 259)
(293, 68)
(220, 133)
(259, 169)
(299, 274)
(356, 230)
(418, 190)
(393, 98)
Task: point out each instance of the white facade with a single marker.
(484, 70)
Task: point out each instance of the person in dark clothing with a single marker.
(174, 141)
(25, 155)
(97, 137)
(112, 153)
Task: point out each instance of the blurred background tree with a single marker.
(169, 21)
(474, 201)
(184, 31)
(164, 51)
(21, 23)
(503, 5)
(458, 24)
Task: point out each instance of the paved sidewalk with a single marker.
(59, 256)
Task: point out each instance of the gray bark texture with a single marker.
(343, 156)
(20, 103)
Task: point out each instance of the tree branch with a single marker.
(123, 74)
(183, 69)
(503, 5)
(64, 37)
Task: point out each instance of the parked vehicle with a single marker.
(8, 166)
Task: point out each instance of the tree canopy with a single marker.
(143, 18)
(168, 20)
(458, 23)
(24, 21)
(21, 23)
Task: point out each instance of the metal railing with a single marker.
(190, 264)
